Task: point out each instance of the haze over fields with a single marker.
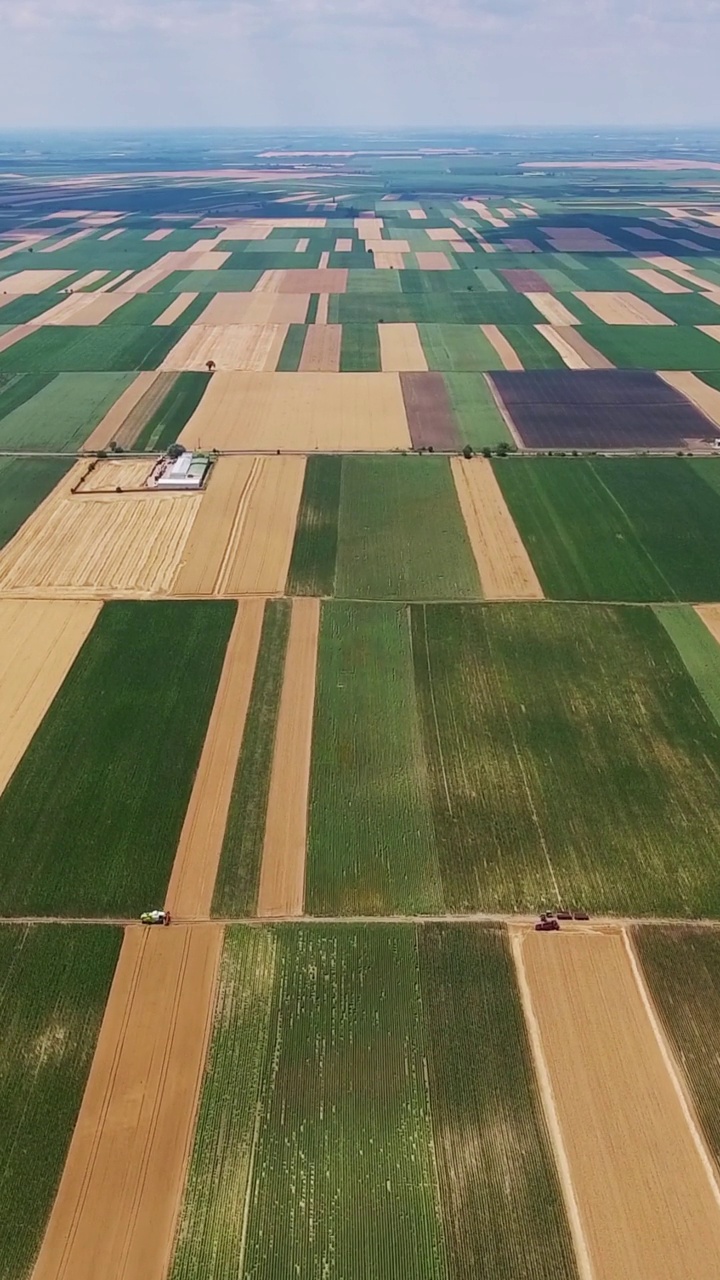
(318, 62)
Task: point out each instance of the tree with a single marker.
(467, 451)
(210, 366)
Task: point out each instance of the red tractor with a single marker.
(547, 924)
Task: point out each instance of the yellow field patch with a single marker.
(26, 282)
(304, 411)
(658, 281)
(176, 309)
(86, 309)
(508, 356)
(621, 308)
(433, 261)
(255, 308)
(321, 350)
(552, 308)
(234, 346)
(504, 566)
(401, 350)
(705, 397)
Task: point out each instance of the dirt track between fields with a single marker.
(198, 855)
(282, 872)
(646, 1203)
(115, 1212)
(505, 568)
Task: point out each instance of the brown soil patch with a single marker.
(710, 614)
(117, 1205)
(552, 308)
(194, 871)
(25, 282)
(94, 545)
(369, 228)
(431, 420)
(324, 259)
(242, 542)
(259, 307)
(658, 281)
(233, 346)
(706, 398)
(523, 280)
(304, 411)
(401, 349)
(573, 348)
(321, 350)
(282, 874)
(112, 425)
(176, 309)
(508, 356)
(433, 261)
(40, 641)
(646, 1203)
(521, 246)
(621, 308)
(505, 568)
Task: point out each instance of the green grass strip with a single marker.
(114, 761)
(370, 844)
(312, 310)
(698, 649)
(212, 1222)
(239, 871)
(479, 421)
(174, 413)
(482, 1086)
(360, 349)
(55, 983)
(292, 349)
(312, 565)
(533, 350)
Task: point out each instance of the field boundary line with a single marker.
(687, 1106)
(547, 1096)
(432, 699)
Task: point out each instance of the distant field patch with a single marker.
(61, 413)
(24, 484)
(113, 348)
(314, 554)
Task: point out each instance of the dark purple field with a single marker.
(429, 413)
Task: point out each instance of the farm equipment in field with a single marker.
(547, 924)
(155, 917)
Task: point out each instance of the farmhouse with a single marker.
(189, 471)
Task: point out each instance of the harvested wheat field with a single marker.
(552, 308)
(99, 545)
(306, 281)
(40, 641)
(301, 411)
(710, 614)
(656, 280)
(575, 350)
(114, 422)
(433, 261)
(321, 349)
(281, 890)
(111, 474)
(176, 309)
(25, 282)
(504, 566)
(705, 397)
(91, 277)
(646, 1196)
(119, 1197)
(230, 347)
(621, 308)
(508, 356)
(387, 259)
(260, 307)
(242, 540)
(85, 309)
(401, 350)
(198, 855)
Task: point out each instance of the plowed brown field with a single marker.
(304, 411)
(192, 882)
(115, 1212)
(506, 572)
(39, 641)
(647, 1205)
(282, 873)
(242, 541)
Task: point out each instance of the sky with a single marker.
(365, 63)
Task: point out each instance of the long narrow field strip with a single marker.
(302, 411)
(194, 872)
(401, 534)
(55, 984)
(99, 545)
(705, 397)
(40, 641)
(656, 280)
(622, 308)
(231, 347)
(504, 566)
(94, 849)
(281, 890)
(238, 879)
(83, 309)
(321, 350)
(314, 553)
(401, 349)
(710, 615)
(682, 969)
(128, 1157)
(258, 308)
(552, 309)
(647, 1205)
(24, 282)
(371, 845)
(176, 309)
(697, 647)
(161, 415)
(111, 426)
(502, 1207)
(509, 358)
(567, 350)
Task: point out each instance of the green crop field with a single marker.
(114, 760)
(165, 424)
(360, 349)
(370, 844)
(698, 649)
(457, 348)
(312, 565)
(479, 421)
(71, 349)
(653, 346)
(52, 997)
(401, 534)
(292, 349)
(24, 484)
(645, 529)
(238, 875)
(533, 350)
(63, 411)
(376, 1083)
(682, 969)
(17, 388)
